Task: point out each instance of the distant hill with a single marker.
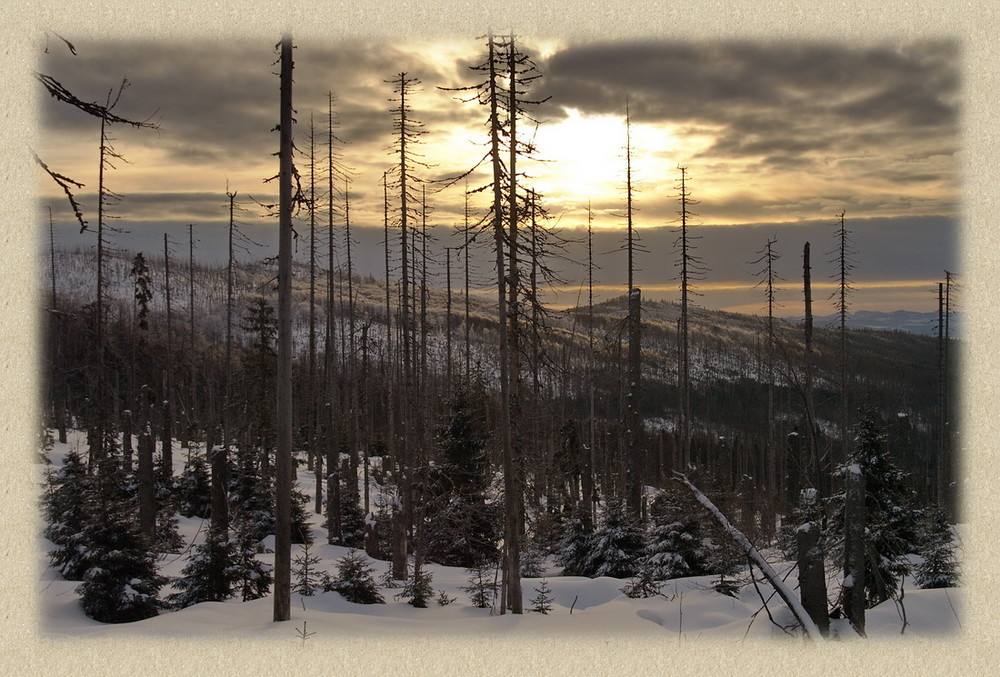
(925, 324)
(895, 371)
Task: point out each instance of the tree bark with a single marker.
(812, 575)
(167, 456)
(146, 491)
(854, 549)
(283, 460)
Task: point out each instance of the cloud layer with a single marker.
(785, 134)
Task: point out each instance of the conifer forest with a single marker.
(439, 388)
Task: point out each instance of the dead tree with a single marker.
(283, 459)
(468, 345)
(408, 132)
(220, 454)
(945, 466)
(142, 295)
(312, 396)
(589, 496)
(100, 414)
(772, 489)
(191, 417)
(508, 74)
(167, 455)
(633, 420)
(813, 473)
(844, 260)
(691, 268)
(812, 570)
(854, 584)
(809, 628)
(56, 386)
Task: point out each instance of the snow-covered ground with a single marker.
(592, 628)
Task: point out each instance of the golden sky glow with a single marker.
(776, 138)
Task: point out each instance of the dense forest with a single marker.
(629, 438)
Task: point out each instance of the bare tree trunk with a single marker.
(220, 456)
(56, 386)
(514, 487)
(633, 487)
(633, 422)
(468, 348)
(423, 290)
(814, 474)
(399, 561)
(507, 451)
(588, 470)
(939, 470)
(447, 316)
(97, 431)
(854, 549)
(283, 460)
(773, 491)
(192, 375)
(146, 489)
(167, 456)
(313, 397)
(352, 362)
(684, 368)
(812, 575)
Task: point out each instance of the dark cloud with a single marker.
(769, 97)
(872, 129)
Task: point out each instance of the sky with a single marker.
(777, 137)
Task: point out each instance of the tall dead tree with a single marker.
(220, 454)
(166, 455)
(191, 418)
(387, 377)
(424, 212)
(508, 75)
(812, 475)
(56, 385)
(356, 392)
(145, 476)
(468, 344)
(691, 269)
(508, 377)
(331, 477)
(633, 421)
(772, 478)
(447, 315)
(99, 432)
(408, 131)
(945, 471)
(98, 426)
(844, 260)
(312, 395)
(587, 473)
(283, 458)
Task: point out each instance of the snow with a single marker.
(592, 628)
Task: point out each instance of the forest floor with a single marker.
(589, 613)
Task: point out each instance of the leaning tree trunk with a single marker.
(786, 593)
